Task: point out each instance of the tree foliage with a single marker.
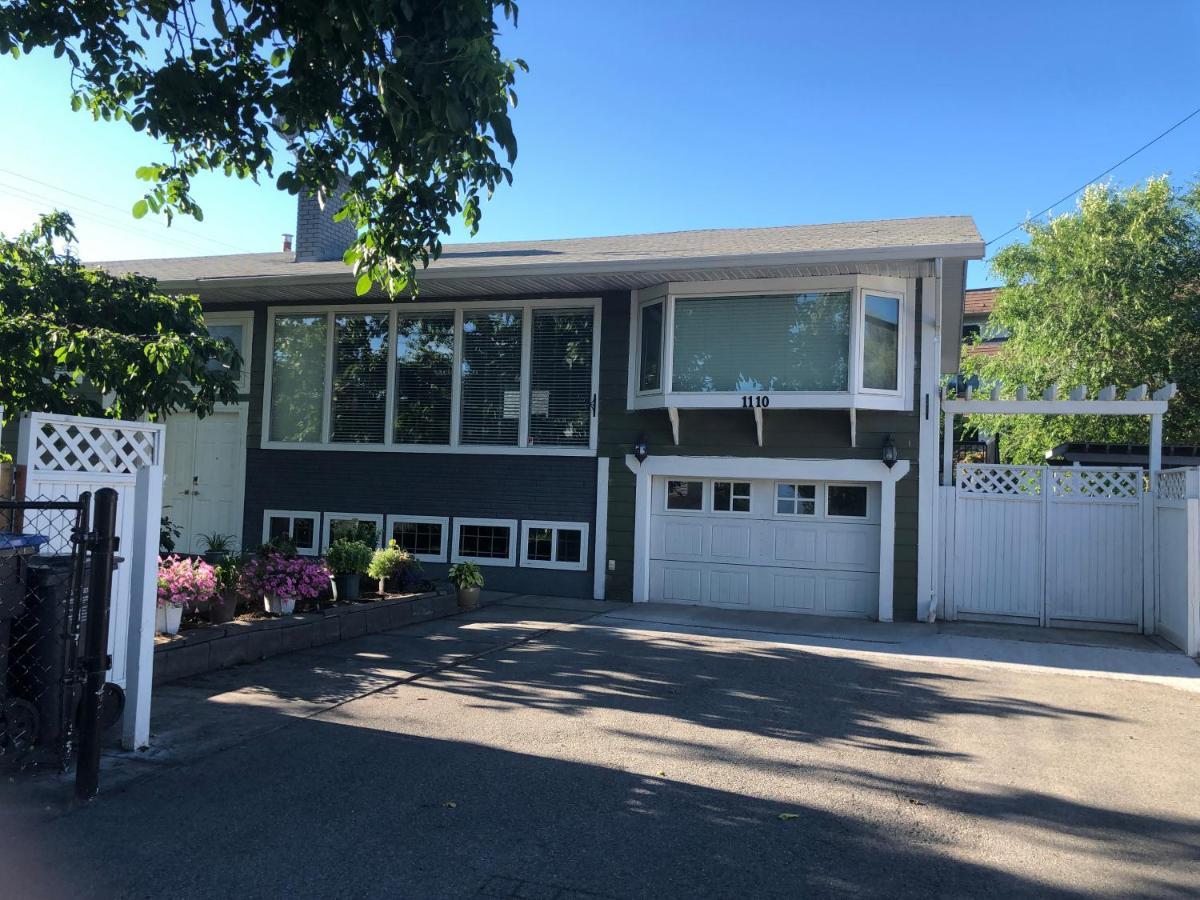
(70, 334)
(403, 105)
(1109, 294)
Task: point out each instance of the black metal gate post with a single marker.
(102, 545)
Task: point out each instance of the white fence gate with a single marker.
(1177, 558)
(1045, 545)
(63, 456)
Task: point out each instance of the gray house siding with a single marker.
(786, 433)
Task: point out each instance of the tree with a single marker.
(403, 106)
(70, 335)
(1109, 294)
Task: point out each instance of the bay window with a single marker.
(501, 377)
(829, 342)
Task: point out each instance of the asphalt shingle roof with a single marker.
(604, 253)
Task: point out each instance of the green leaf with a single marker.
(140, 208)
(363, 285)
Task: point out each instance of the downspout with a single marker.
(937, 484)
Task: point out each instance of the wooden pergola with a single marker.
(1136, 402)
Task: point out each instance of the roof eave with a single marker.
(971, 250)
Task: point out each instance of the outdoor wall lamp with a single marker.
(889, 451)
(641, 448)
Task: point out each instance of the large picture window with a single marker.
(507, 376)
(798, 342)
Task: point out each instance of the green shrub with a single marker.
(466, 575)
(393, 562)
(346, 557)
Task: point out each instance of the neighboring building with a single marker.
(763, 371)
(976, 324)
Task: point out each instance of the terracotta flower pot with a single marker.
(279, 606)
(167, 619)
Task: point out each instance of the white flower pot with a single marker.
(167, 619)
(279, 606)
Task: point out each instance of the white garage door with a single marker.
(807, 547)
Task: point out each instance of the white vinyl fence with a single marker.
(63, 456)
(1177, 557)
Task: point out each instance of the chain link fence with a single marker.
(45, 573)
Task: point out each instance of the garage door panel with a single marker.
(678, 538)
(795, 591)
(731, 542)
(854, 546)
(681, 584)
(729, 587)
(848, 593)
(794, 544)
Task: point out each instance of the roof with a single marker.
(930, 237)
(979, 301)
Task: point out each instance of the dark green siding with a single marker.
(786, 433)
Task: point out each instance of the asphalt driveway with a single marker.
(549, 749)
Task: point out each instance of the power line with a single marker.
(1117, 165)
(112, 206)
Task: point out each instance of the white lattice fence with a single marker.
(1000, 481)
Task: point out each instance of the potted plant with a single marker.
(467, 577)
(282, 580)
(394, 568)
(182, 582)
(348, 561)
(217, 546)
(223, 606)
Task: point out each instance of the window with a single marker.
(970, 332)
(236, 328)
(554, 545)
(797, 342)
(298, 379)
(881, 343)
(431, 377)
(560, 397)
(796, 499)
(298, 527)
(489, 542)
(650, 354)
(360, 361)
(491, 377)
(685, 495)
(731, 496)
(846, 500)
(422, 536)
(353, 527)
(424, 379)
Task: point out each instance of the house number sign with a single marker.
(755, 401)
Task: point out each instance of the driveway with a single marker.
(555, 749)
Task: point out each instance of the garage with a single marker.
(785, 545)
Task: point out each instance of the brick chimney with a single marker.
(318, 237)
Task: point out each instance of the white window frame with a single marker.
(393, 313)
(854, 397)
(443, 521)
(514, 536)
(712, 492)
(330, 517)
(797, 516)
(650, 297)
(871, 515)
(245, 319)
(292, 515)
(666, 501)
(862, 328)
(581, 527)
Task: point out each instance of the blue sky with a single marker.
(664, 115)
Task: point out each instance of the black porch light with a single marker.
(641, 448)
(889, 451)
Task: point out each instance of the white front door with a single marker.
(205, 476)
(785, 546)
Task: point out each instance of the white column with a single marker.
(948, 450)
(143, 594)
(928, 407)
(641, 532)
(887, 547)
(1156, 437)
(1192, 506)
(600, 553)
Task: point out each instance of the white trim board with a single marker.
(555, 527)
(514, 535)
(854, 470)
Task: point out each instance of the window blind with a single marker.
(560, 399)
(796, 342)
(359, 379)
(298, 378)
(491, 378)
(424, 379)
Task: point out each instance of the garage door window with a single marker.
(796, 499)
(731, 496)
(685, 495)
(847, 501)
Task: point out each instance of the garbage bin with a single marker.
(18, 717)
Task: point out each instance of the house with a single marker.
(977, 324)
(745, 418)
